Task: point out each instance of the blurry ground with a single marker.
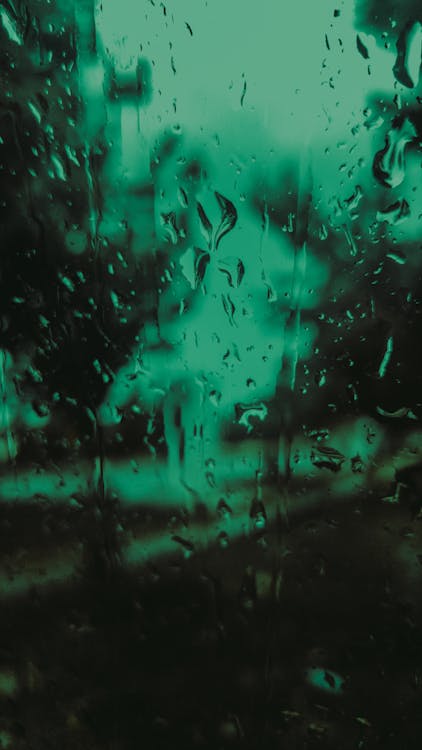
(219, 648)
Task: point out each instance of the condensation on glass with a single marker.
(210, 372)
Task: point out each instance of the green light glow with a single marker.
(325, 680)
(8, 683)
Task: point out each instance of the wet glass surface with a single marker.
(210, 373)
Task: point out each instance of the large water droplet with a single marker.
(389, 166)
(244, 412)
(224, 510)
(257, 514)
(168, 221)
(409, 49)
(11, 27)
(205, 224)
(325, 457)
(396, 213)
(228, 218)
(234, 270)
(194, 263)
(229, 308)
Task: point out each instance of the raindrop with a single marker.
(223, 539)
(245, 412)
(357, 464)
(409, 49)
(206, 226)
(229, 308)
(395, 213)
(224, 510)
(187, 546)
(234, 270)
(257, 514)
(228, 218)
(215, 397)
(325, 457)
(389, 163)
(183, 198)
(362, 48)
(401, 413)
(170, 228)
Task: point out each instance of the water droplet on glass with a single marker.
(224, 511)
(168, 221)
(205, 224)
(223, 540)
(183, 198)
(257, 514)
(389, 163)
(395, 213)
(409, 50)
(228, 218)
(234, 269)
(187, 546)
(362, 48)
(325, 457)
